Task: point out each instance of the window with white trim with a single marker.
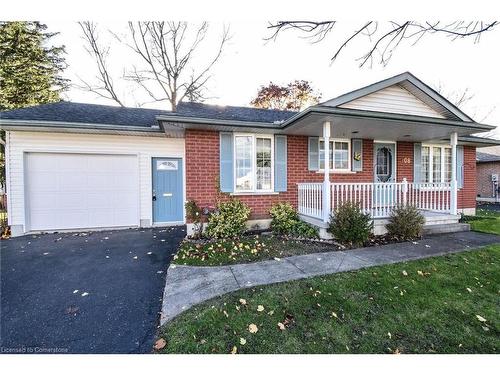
(436, 163)
(253, 163)
(339, 159)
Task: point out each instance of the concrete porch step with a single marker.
(446, 228)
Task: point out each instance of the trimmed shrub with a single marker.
(228, 219)
(285, 221)
(284, 218)
(405, 223)
(350, 226)
(304, 230)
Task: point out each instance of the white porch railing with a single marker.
(311, 199)
(377, 199)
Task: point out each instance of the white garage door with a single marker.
(69, 191)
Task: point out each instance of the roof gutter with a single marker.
(202, 120)
(24, 124)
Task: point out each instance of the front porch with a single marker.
(378, 200)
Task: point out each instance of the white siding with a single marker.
(393, 99)
(19, 142)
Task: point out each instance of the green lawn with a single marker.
(435, 305)
(244, 250)
(487, 221)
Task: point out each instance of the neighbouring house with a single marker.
(72, 166)
(488, 175)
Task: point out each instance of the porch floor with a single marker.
(430, 217)
(432, 220)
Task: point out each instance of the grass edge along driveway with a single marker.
(446, 304)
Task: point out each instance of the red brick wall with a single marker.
(483, 173)
(404, 154)
(202, 171)
(467, 195)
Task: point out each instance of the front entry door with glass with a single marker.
(384, 170)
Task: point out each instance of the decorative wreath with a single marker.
(357, 156)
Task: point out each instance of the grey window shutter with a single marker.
(460, 167)
(313, 154)
(280, 156)
(417, 162)
(226, 162)
(357, 153)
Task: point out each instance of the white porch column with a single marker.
(326, 180)
(453, 192)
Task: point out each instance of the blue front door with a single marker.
(167, 190)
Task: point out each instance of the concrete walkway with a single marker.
(187, 286)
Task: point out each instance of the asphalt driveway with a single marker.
(96, 292)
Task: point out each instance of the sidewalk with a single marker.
(187, 286)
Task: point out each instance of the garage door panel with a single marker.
(44, 181)
(43, 219)
(43, 201)
(103, 217)
(71, 200)
(123, 216)
(101, 181)
(70, 191)
(121, 180)
(72, 181)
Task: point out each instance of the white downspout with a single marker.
(453, 192)
(326, 181)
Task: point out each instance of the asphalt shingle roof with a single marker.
(112, 115)
(482, 157)
(233, 113)
(86, 113)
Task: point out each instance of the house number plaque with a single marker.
(406, 160)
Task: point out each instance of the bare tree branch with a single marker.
(104, 87)
(168, 52)
(384, 41)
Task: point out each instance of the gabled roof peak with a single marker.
(422, 92)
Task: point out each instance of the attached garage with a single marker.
(71, 191)
(65, 181)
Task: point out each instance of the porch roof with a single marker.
(346, 123)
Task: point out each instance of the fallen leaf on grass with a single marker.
(405, 273)
(334, 314)
(270, 312)
(469, 290)
(389, 334)
(242, 341)
(480, 318)
(234, 350)
(226, 314)
(281, 326)
(420, 273)
(243, 301)
(260, 308)
(252, 328)
(159, 344)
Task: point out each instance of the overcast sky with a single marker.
(249, 61)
